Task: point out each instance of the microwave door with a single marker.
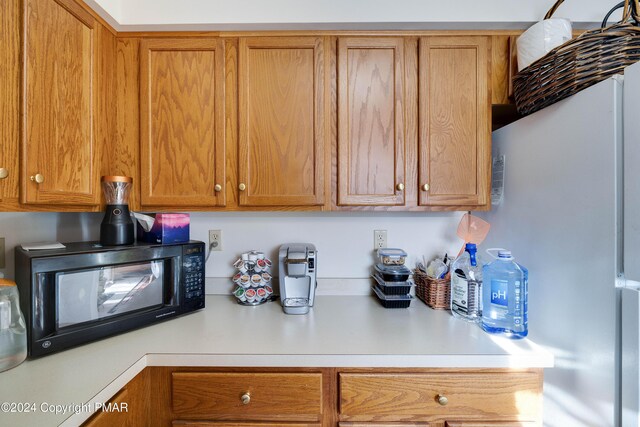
(90, 295)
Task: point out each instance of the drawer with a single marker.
(490, 424)
(235, 424)
(223, 424)
(267, 396)
(383, 425)
(488, 395)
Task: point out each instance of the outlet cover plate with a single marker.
(215, 240)
(379, 239)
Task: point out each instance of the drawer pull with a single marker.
(242, 186)
(400, 187)
(442, 400)
(217, 188)
(425, 187)
(3, 173)
(246, 398)
(37, 178)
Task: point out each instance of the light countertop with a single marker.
(340, 331)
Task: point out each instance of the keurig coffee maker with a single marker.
(298, 265)
(117, 225)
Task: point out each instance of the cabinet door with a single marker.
(371, 147)
(58, 143)
(282, 105)
(182, 122)
(130, 407)
(117, 417)
(9, 97)
(455, 125)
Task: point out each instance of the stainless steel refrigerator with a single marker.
(571, 199)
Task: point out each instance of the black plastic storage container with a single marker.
(393, 273)
(392, 288)
(392, 301)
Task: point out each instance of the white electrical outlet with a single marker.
(379, 239)
(215, 240)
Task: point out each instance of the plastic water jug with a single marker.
(13, 334)
(466, 285)
(504, 297)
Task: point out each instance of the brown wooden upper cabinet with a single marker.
(59, 76)
(282, 119)
(371, 129)
(455, 121)
(182, 146)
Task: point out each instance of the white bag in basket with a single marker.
(541, 38)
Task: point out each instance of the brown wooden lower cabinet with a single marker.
(128, 408)
(323, 397)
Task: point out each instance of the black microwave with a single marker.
(86, 291)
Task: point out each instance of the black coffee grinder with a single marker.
(117, 227)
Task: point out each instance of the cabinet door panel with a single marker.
(182, 122)
(281, 121)
(371, 148)
(58, 106)
(454, 121)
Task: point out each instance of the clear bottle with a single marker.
(13, 333)
(505, 296)
(466, 285)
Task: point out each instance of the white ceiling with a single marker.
(137, 15)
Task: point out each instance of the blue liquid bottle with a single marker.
(504, 296)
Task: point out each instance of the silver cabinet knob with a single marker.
(37, 178)
(425, 187)
(400, 187)
(3, 173)
(442, 400)
(246, 398)
(218, 188)
(242, 187)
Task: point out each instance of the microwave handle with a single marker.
(176, 267)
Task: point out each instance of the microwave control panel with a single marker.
(193, 272)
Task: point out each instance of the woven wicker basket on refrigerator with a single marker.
(579, 63)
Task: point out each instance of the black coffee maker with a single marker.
(117, 226)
